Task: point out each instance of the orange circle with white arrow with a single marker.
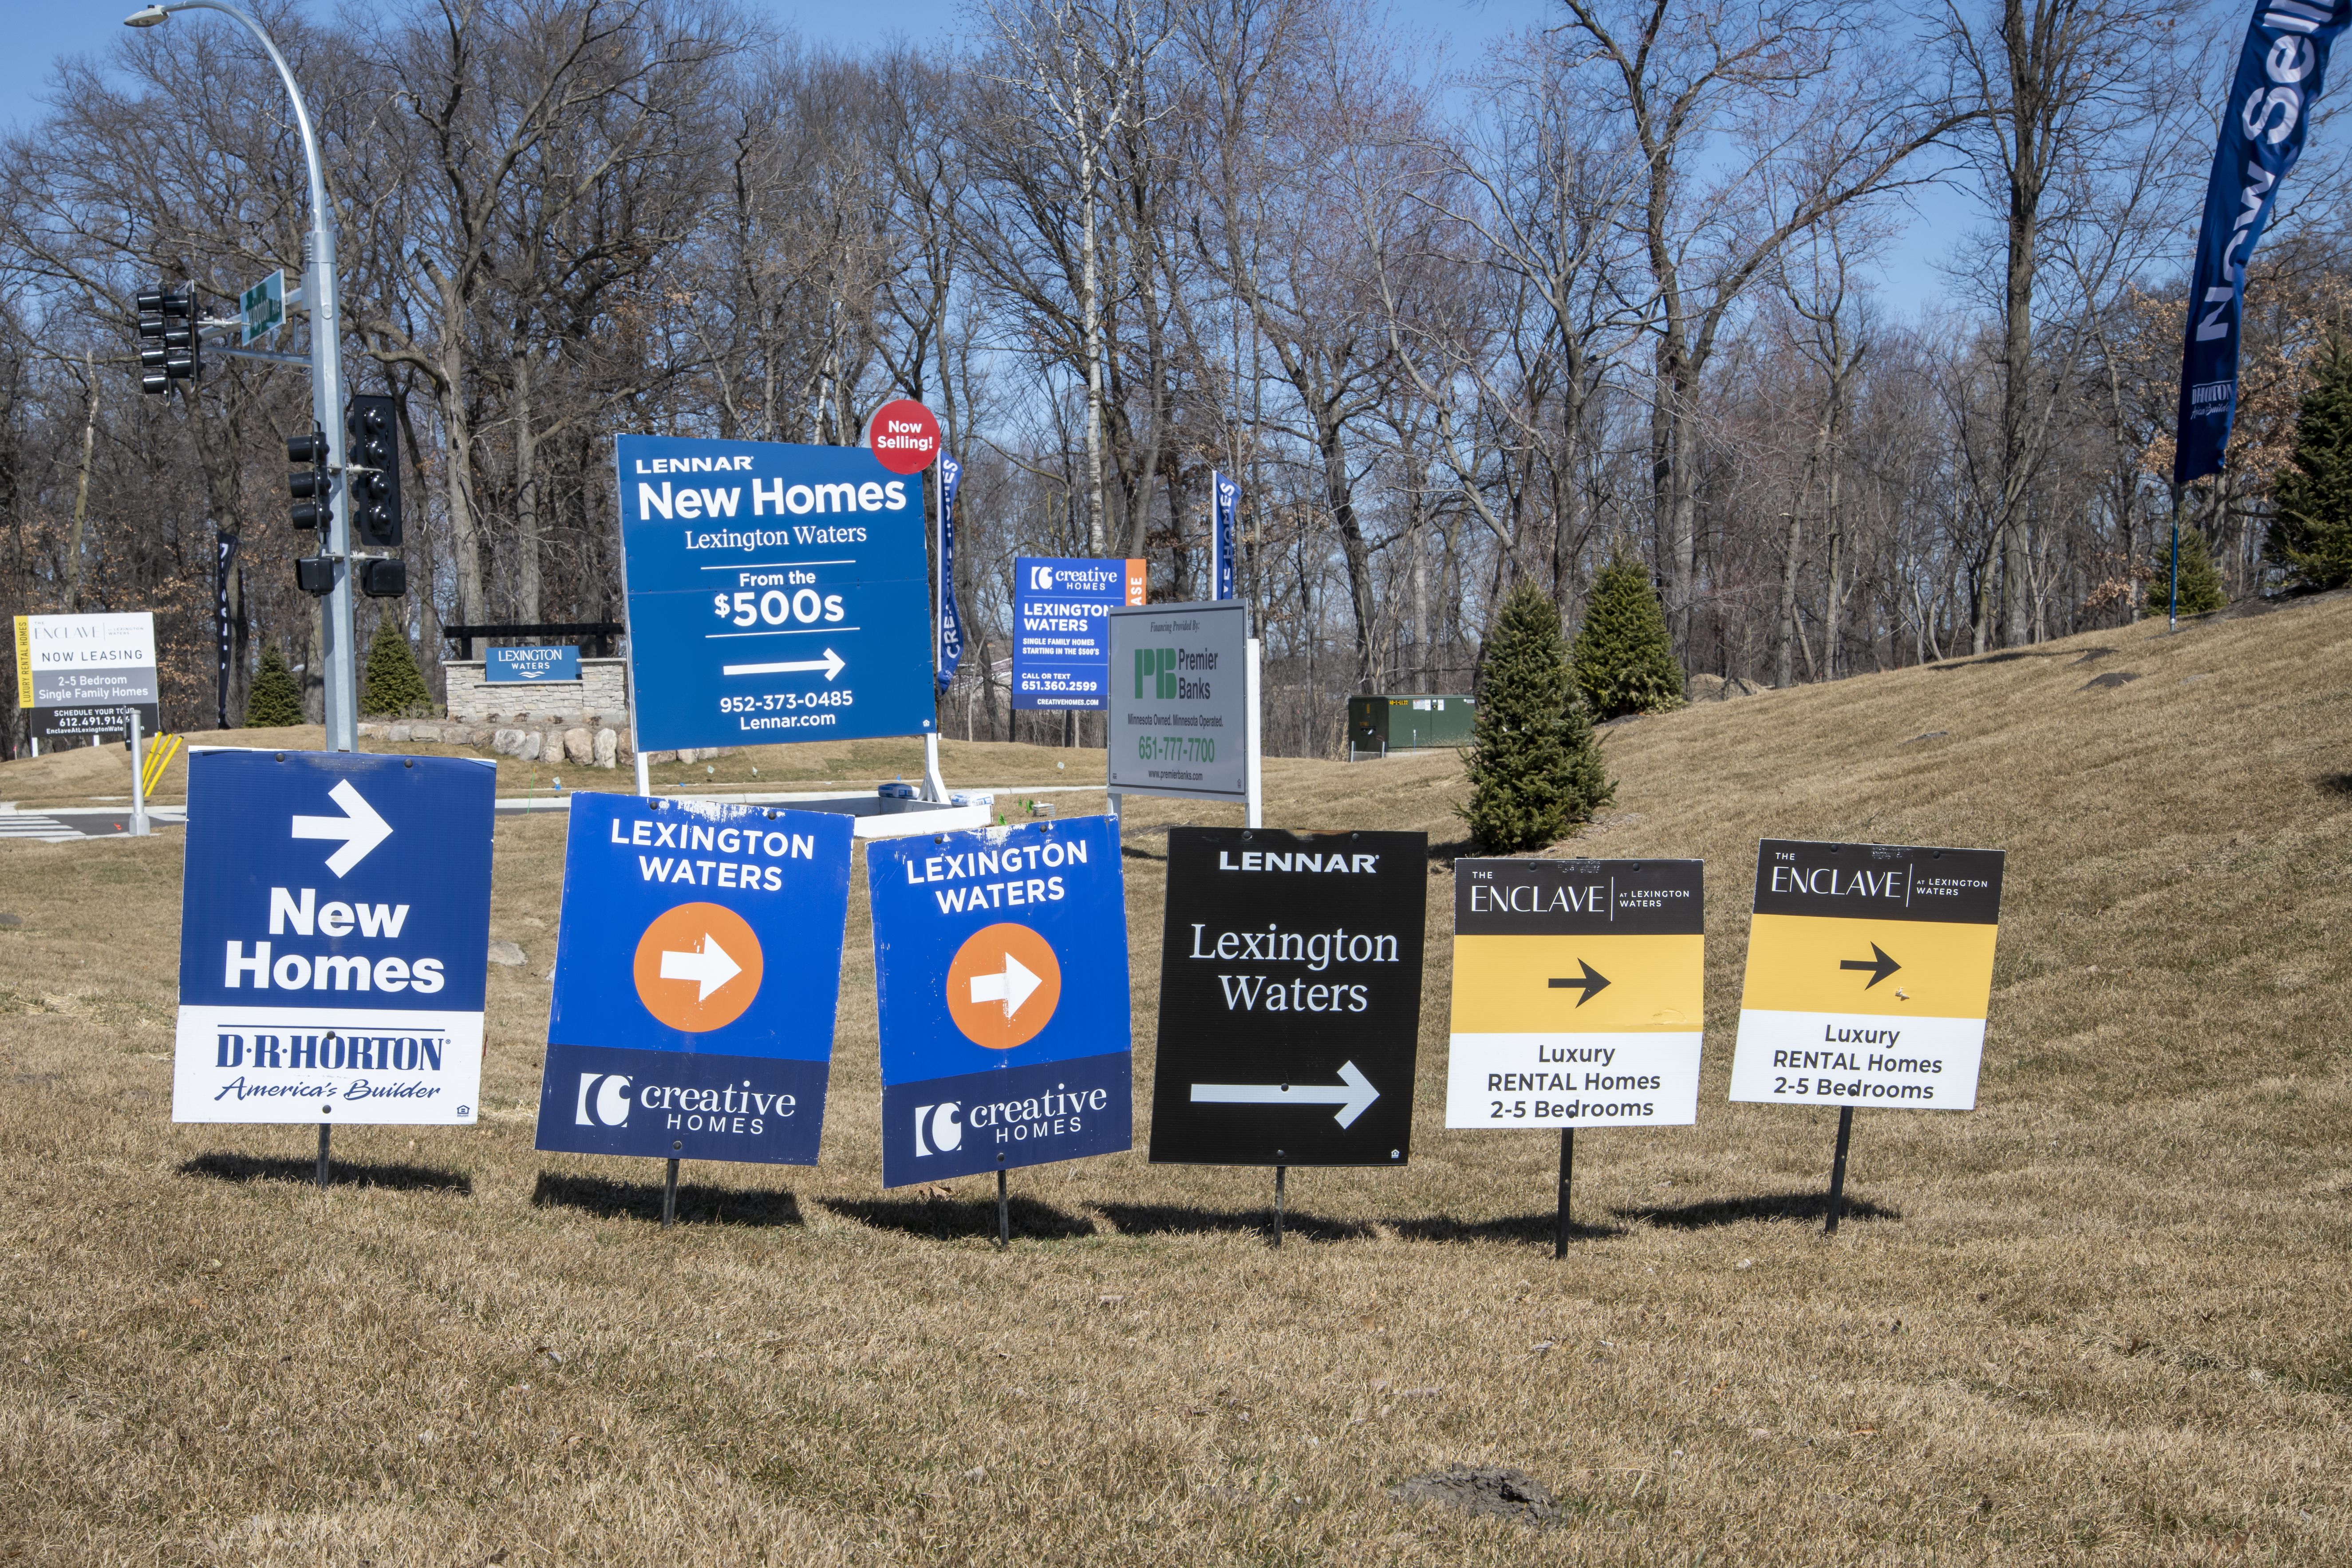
(698, 968)
(1003, 985)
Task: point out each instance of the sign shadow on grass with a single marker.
(954, 1218)
(1178, 1219)
(608, 1199)
(1536, 1229)
(340, 1173)
(1810, 1207)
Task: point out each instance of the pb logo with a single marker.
(936, 1131)
(1157, 667)
(603, 1100)
(1041, 579)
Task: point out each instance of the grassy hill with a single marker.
(2102, 1318)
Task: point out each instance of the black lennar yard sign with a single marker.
(1577, 994)
(1869, 969)
(1289, 997)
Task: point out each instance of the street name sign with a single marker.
(1178, 711)
(1869, 971)
(531, 664)
(1061, 639)
(1578, 993)
(698, 969)
(1000, 971)
(1289, 997)
(775, 593)
(261, 310)
(334, 933)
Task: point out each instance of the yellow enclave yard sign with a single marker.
(1577, 994)
(1869, 969)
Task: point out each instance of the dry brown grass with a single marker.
(2102, 1318)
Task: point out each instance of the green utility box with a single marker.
(1379, 725)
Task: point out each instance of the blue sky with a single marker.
(41, 33)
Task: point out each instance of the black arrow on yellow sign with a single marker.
(1879, 968)
(1592, 982)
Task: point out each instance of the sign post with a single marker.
(334, 933)
(1577, 998)
(1869, 973)
(698, 969)
(1001, 977)
(1289, 999)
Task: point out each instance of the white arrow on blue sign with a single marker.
(324, 977)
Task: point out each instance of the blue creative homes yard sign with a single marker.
(1000, 964)
(697, 969)
(334, 928)
(775, 593)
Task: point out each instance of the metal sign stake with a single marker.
(669, 1195)
(325, 1129)
(1003, 1214)
(138, 780)
(1837, 1169)
(1280, 1171)
(1567, 1174)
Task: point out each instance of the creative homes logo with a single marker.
(1111, 579)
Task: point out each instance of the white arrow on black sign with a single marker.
(360, 827)
(1353, 1094)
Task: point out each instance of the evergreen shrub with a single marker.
(1624, 661)
(276, 700)
(1534, 767)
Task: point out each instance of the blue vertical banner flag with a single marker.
(951, 622)
(2280, 71)
(1225, 500)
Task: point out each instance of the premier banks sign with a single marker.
(1179, 712)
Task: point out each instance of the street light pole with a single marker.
(342, 678)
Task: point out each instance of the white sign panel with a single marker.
(92, 661)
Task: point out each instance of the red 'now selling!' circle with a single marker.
(904, 435)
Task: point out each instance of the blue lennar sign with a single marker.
(1000, 964)
(334, 923)
(697, 966)
(776, 592)
(532, 664)
(1061, 641)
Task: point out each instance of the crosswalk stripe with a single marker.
(45, 829)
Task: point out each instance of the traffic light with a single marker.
(383, 577)
(313, 488)
(169, 348)
(372, 463)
